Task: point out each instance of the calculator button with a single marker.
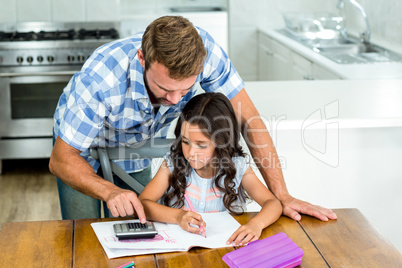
(124, 227)
(118, 227)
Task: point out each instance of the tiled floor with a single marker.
(28, 192)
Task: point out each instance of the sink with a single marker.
(347, 53)
(195, 9)
(344, 49)
(347, 50)
(334, 42)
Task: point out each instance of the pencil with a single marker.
(193, 210)
(126, 265)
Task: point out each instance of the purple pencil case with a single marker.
(277, 251)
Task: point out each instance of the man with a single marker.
(130, 90)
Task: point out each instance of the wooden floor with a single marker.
(28, 192)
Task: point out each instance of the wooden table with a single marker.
(349, 241)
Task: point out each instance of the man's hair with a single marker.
(174, 42)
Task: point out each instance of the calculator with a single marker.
(133, 230)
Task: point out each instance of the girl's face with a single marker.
(197, 148)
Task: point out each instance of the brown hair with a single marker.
(174, 42)
(214, 115)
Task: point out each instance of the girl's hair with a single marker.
(214, 115)
(174, 42)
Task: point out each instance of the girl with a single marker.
(207, 163)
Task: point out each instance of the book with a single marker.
(170, 238)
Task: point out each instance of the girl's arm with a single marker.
(271, 210)
(157, 212)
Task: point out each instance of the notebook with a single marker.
(170, 238)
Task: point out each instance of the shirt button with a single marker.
(205, 182)
(202, 203)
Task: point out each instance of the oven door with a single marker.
(28, 102)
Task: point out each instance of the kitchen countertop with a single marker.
(338, 138)
(345, 71)
(357, 103)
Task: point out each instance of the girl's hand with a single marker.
(245, 234)
(186, 218)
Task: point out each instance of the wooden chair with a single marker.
(151, 148)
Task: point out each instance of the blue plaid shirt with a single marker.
(106, 103)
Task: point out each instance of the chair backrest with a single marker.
(151, 148)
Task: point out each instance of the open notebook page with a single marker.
(220, 226)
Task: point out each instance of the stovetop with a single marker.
(50, 43)
(71, 34)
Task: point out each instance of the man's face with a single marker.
(166, 90)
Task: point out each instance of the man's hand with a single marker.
(292, 207)
(123, 203)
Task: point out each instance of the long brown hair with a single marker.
(214, 115)
(174, 42)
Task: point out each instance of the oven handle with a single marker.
(58, 73)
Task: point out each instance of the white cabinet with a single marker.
(278, 62)
(273, 59)
(264, 62)
(301, 68)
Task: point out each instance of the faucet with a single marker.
(364, 36)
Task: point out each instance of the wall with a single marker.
(140, 6)
(137, 15)
(246, 17)
(385, 22)
(87, 10)
(59, 10)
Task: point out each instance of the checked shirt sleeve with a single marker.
(84, 114)
(219, 74)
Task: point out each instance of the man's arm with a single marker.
(266, 158)
(67, 164)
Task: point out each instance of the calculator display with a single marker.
(133, 230)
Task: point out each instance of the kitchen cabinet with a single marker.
(301, 68)
(273, 59)
(278, 62)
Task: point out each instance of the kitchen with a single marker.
(243, 21)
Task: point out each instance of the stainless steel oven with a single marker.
(37, 61)
(27, 105)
